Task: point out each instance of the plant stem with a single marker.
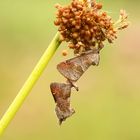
(27, 87)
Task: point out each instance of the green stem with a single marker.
(25, 90)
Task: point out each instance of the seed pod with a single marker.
(74, 68)
(57, 22)
(64, 52)
(75, 35)
(61, 93)
(99, 6)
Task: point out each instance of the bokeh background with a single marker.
(108, 103)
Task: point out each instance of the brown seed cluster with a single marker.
(85, 27)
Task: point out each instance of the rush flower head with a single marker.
(85, 26)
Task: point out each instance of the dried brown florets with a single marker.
(85, 27)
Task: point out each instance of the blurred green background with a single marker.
(108, 103)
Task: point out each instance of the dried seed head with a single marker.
(84, 21)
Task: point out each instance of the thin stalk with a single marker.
(27, 87)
